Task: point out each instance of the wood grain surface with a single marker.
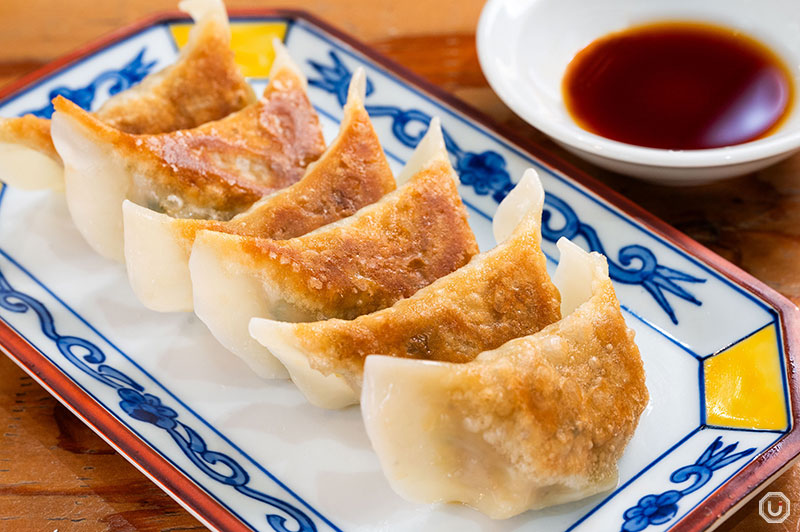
(55, 473)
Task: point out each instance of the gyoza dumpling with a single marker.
(214, 171)
(539, 421)
(353, 172)
(501, 294)
(28, 159)
(204, 84)
(384, 252)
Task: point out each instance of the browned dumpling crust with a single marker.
(355, 175)
(204, 84)
(352, 173)
(29, 131)
(502, 294)
(220, 168)
(409, 240)
(499, 295)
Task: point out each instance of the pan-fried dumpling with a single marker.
(539, 421)
(384, 252)
(501, 294)
(28, 159)
(204, 84)
(214, 171)
(353, 172)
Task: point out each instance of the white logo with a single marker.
(774, 507)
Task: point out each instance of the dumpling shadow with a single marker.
(294, 421)
(195, 355)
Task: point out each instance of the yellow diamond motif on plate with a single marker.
(744, 384)
(251, 43)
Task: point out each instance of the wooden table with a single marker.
(55, 473)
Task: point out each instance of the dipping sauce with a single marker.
(678, 85)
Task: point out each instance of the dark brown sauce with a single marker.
(678, 85)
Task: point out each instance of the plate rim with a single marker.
(722, 502)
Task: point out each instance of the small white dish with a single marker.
(524, 47)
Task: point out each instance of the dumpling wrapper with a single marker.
(384, 252)
(501, 294)
(352, 173)
(213, 171)
(28, 160)
(204, 84)
(539, 421)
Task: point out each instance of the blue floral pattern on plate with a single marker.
(660, 509)
(123, 78)
(148, 408)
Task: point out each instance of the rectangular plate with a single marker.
(242, 453)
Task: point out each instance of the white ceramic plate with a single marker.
(243, 453)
